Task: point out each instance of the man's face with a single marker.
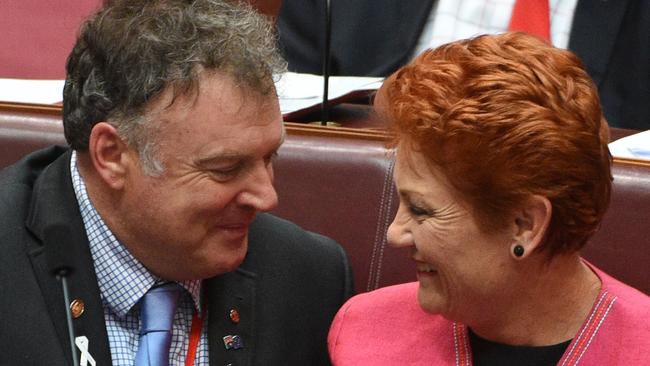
(191, 222)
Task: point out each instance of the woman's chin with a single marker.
(430, 300)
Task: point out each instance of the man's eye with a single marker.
(270, 158)
(225, 173)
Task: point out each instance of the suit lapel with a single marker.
(596, 25)
(231, 311)
(54, 201)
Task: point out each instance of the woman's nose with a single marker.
(398, 234)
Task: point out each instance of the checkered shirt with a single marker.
(123, 280)
(451, 20)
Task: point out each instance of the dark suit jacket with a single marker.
(287, 290)
(376, 37)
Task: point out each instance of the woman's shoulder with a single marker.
(633, 300)
(618, 330)
(382, 308)
(385, 326)
(403, 295)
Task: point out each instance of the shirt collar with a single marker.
(122, 279)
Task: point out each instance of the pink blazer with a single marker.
(388, 327)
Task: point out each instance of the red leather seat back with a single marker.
(622, 245)
(23, 130)
(343, 187)
(339, 183)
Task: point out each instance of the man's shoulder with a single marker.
(276, 233)
(26, 170)
(17, 180)
(17, 189)
(284, 249)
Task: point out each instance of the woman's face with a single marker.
(460, 267)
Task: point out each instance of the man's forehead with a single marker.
(215, 102)
(242, 148)
(214, 87)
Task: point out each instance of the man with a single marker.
(173, 122)
(376, 37)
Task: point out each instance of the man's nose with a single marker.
(260, 193)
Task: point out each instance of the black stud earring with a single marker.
(518, 251)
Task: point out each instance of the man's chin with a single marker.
(230, 258)
(214, 270)
(217, 257)
(231, 266)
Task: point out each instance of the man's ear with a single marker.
(531, 223)
(109, 155)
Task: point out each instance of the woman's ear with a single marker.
(108, 154)
(531, 223)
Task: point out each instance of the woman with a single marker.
(503, 174)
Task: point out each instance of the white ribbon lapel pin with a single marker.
(86, 358)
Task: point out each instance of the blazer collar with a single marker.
(53, 201)
(231, 305)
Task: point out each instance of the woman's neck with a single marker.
(550, 303)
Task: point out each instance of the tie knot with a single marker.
(157, 308)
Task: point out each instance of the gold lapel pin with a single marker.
(77, 308)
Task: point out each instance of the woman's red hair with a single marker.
(506, 117)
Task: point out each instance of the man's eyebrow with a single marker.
(221, 157)
(283, 136)
(281, 142)
(229, 155)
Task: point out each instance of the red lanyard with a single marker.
(195, 338)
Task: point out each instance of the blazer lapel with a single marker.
(54, 201)
(596, 25)
(231, 318)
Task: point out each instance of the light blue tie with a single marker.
(157, 309)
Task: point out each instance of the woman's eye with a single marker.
(418, 211)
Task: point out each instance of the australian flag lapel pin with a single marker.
(233, 342)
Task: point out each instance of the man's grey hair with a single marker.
(132, 50)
